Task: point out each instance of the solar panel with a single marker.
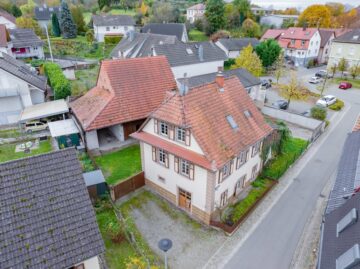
(349, 219)
(348, 259)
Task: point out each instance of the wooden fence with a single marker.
(127, 186)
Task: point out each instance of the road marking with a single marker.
(298, 167)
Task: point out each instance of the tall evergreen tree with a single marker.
(55, 26)
(77, 15)
(15, 11)
(68, 26)
(215, 15)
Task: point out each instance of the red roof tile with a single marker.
(299, 33)
(204, 110)
(3, 36)
(127, 90)
(273, 33)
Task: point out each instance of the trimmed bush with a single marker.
(57, 81)
(337, 106)
(318, 113)
(115, 39)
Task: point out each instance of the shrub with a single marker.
(318, 113)
(311, 63)
(112, 39)
(57, 80)
(229, 63)
(337, 106)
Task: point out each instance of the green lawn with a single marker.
(196, 35)
(119, 165)
(278, 166)
(115, 11)
(7, 151)
(355, 82)
(85, 80)
(9, 133)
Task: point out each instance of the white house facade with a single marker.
(112, 25)
(233, 46)
(195, 12)
(196, 69)
(7, 20)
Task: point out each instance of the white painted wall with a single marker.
(174, 181)
(194, 14)
(101, 31)
(34, 52)
(69, 73)
(92, 263)
(221, 46)
(7, 23)
(10, 109)
(92, 141)
(194, 146)
(196, 69)
(37, 96)
(118, 131)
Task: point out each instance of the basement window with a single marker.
(232, 122)
(349, 219)
(349, 259)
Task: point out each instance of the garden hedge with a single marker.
(112, 39)
(57, 81)
(337, 106)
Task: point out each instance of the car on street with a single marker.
(345, 85)
(323, 74)
(266, 83)
(326, 100)
(281, 104)
(315, 80)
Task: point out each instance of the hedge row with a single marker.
(58, 82)
(114, 40)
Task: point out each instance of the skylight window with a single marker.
(232, 122)
(247, 113)
(189, 51)
(348, 259)
(349, 219)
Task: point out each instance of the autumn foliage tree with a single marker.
(294, 90)
(315, 16)
(250, 28)
(27, 22)
(249, 60)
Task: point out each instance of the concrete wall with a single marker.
(196, 69)
(349, 51)
(10, 109)
(92, 263)
(37, 97)
(118, 131)
(92, 141)
(258, 94)
(69, 73)
(101, 31)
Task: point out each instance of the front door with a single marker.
(184, 199)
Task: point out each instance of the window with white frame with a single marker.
(256, 149)
(164, 128)
(107, 28)
(223, 198)
(225, 171)
(162, 156)
(180, 134)
(241, 159)
(184, 167)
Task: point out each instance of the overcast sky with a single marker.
(299, 3)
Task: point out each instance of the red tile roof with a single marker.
(299, 33)
(204, 110)
(3, 36)
(7, 16)
(126, 90)
(273, 33)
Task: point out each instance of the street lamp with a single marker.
(48, 40)
(165, 245)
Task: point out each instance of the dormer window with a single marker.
(180, 134)
(164, 128)
(302, 42)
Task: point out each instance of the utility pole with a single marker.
(48, 40)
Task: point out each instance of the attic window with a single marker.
(189, 51)
(232, 122)
(349, 259)
(349, 219)
(355, 37)
(247, 114)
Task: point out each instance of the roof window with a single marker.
(189, 51)
(355, 37)
(349, 219)
(232, 122)
(348, 259)
(247, 114)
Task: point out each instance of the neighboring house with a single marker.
(20, 87)
(5, 46)
(43, 14)
(127, 90)
(134, 45)
(192, 59)
(273, 34)
(7, 19)
(346, 46)
(47, 220)
(26, 44)
(202, 146)
(233, 46)
(108, 25)
(173, 29)
(251, 84)
(195, 12)
(261, 11)
(277, 20)
(301, 44)
(327, 37)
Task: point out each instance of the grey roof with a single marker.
(112, 20)
(333, 246)
(237, 44)
(178, 53)
(349, 37)
(140, 44)
(44, 13)
(348, 172)
(47, 220)
(23, 37)
(245, 77)
(325, 36)
(93, 177)
(22, 71)
(174, 29)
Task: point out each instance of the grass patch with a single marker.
(337, 106)
(196, 35)
(10, 133)
(293, 148)
(7, 151)
(85, 80)
(86, 163)
(355, 82)
(121, 164)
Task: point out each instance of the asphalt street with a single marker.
(273, 243)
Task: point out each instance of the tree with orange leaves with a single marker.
(315, 16)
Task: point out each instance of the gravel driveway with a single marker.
(193, 244)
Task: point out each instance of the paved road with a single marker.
(273, 242)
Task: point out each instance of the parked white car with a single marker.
(326, 100)
(35, 126)
(315, 80)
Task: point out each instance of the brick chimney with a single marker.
(219, 79)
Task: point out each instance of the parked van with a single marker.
(35, 126)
